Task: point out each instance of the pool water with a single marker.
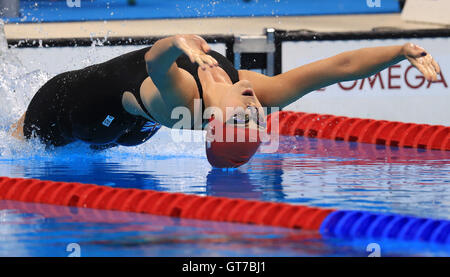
(52, 230)
(322, 173)
(314, 172)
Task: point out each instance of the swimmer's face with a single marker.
(238, 104)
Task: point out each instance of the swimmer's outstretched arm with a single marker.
(176, 85)
(283, 89)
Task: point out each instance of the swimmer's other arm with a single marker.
(283, 89)
(176, 85)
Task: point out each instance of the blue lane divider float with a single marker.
(369, 225)
(345, 224)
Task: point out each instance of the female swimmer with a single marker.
(124, 101)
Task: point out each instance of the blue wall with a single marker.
(58, 10)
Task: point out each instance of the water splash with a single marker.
(3, 42)
(17, 87)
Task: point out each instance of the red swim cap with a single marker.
(225, 150)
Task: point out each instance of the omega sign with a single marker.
(394, 78)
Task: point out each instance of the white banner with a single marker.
(399, 93)
(429, 11)
(72, 58)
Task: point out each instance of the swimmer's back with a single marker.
(86, 105)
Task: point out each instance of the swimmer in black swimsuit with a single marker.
(101, 104)
(87, 105)
(124, 101)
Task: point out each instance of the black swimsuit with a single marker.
(86, 104)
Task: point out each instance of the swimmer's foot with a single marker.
(17, 129)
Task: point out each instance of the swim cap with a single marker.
(230, 146)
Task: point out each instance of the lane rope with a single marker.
(389, 133)
(162, 203)
(345, 224)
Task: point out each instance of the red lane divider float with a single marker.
(162, 203)
(383, 132)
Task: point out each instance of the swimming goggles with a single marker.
(241, 119)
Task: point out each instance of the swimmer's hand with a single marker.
(422, 60)
(195, 48)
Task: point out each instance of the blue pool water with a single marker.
(305, 171)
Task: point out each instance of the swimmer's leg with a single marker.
(17, 128)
